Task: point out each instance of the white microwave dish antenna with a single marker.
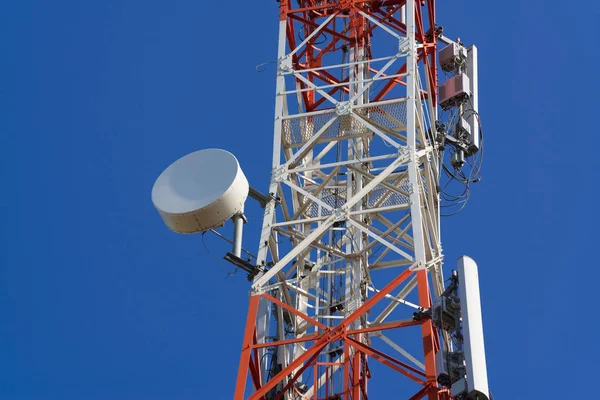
(200, 191)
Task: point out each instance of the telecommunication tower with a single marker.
(348, 274)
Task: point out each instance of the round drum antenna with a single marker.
(200, 191)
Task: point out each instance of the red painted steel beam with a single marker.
(291, 39)
(367, 305)
(293, 380)
(255, 374)
(329, 48)
(427, 331)
(307, 338)
(389, 85)
(310, 6)
(356, 375)
(331, 93)
(316, 25)
(389, 358)
(382, 327)
(309, 354)
(387, 19)
(421, 393)
(385, 360)
(240, 386)
(255, 363)
(295, 312)
(419, 34)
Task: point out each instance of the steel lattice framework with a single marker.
(353, 228)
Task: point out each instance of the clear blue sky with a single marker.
(99, 301)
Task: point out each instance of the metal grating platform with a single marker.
(297, 131)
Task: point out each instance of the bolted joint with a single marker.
(403, 46)
(417, 266)
(284, 63)
(340, 214)
(279, 173)
(405, 152)
(343, 108)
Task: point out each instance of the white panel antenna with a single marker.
(477, 382)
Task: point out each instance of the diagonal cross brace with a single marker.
(337, 215)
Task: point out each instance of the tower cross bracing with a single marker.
(350, 249)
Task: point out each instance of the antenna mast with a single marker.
(350, 255)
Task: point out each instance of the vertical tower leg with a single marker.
(245, 358)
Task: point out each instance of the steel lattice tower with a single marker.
(353, 226)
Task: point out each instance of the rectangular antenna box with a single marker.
(451, 56)
(463, 128)
(454, 91)
(441, 364)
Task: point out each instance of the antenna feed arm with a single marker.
(246, 265)
(261, 198)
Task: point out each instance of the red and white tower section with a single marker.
(348, 280)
